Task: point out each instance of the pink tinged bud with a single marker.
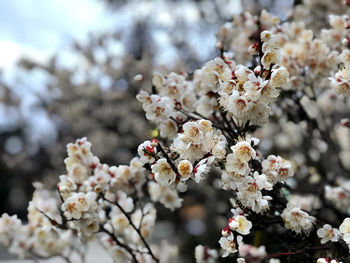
(154, 142)
(149, 149)
(254, 49)
(226, 231)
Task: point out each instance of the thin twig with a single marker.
(301, 251)
(115, 239)
(135, 228)
(161, 149)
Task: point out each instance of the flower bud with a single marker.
(226, 231)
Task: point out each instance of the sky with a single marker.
(37, 28)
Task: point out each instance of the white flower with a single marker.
(8, 227)
(78, 172)
(206, 105)
(51, 240)
(211, 74)
(170, 199)
(270, 58)
(265, 36)
(328, 233)
(240, 224)
(254, 86)
(338, 196)
(160, 108)
(228, 244)
(277, 169)
(235, 165)
(99, 181)
(285, 171)
(249, 192)
(168, 129)
(66, 186)
(189, 101)
(345, 57)
(204, 254)
(267, 19)
(192, 131)
(243, 151)
(297, 220)
(185, 169)
(87, 226)
(279, 77)
(196, 140)
(219, 149)
(271, 163)
(261, 182)
(79, 203)
(341, 80)
(200, 169)
(145, 218)
(145, 151)
(118, 220)
(163, 173)
(247, 250)
(154, 191)
(80, 152)
(345, 230)
(124, 201)
(238, 104)
(171, 86)
(143, 96)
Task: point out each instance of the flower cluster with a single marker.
(341, 80)
(277, 169)
(328, 233)
(248, 93)
(238, 223)
(206, 122)
(297, 220)
(238, 36)
(41, 236)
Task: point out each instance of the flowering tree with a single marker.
(208, 125)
